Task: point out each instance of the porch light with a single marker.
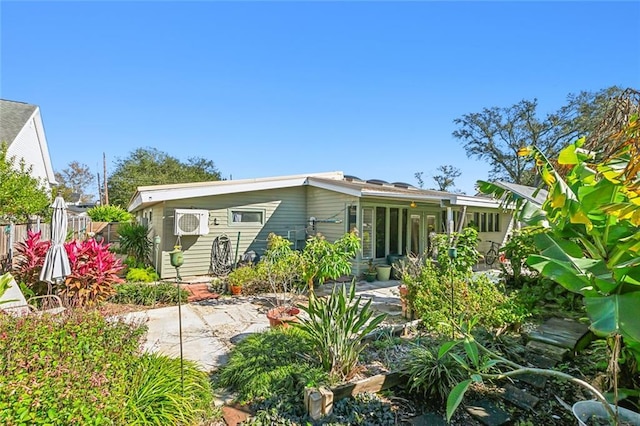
(413, 205)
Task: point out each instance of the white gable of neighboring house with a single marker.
(22, 128)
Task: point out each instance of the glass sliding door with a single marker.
(394, 231)
(415, 234)
(405, 226)
(381, 232)
(367, 233)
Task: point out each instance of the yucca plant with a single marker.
(336, 326)
(134, 241)
(163, 395)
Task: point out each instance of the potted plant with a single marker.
(282, 265)
(239, 277)
(371, 273)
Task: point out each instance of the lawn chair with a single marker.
(13, 302)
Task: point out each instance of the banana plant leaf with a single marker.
(617, 313)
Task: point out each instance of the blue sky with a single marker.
(276, 88)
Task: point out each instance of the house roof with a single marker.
(530, 193)
(13, 116)
(334, 181)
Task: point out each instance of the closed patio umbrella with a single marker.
(56, 263)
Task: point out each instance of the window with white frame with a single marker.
(246, 217)
(487, 222)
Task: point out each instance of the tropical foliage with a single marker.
(134, 241)
(94, 272)
(592, 219)
(336, 326)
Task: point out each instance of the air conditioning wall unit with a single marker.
(191, 222)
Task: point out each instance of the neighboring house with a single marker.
(22, 129)
(395, 218)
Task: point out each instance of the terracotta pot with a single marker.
(236, 289)
(282, 316)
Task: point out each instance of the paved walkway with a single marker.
(210, 328)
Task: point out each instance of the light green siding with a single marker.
(328, 205)
(284, 214)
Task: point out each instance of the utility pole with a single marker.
(106, 189)
(99, 189)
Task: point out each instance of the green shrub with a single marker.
(271, 364)
(142, 275)
(158, 395)
(517, 250)
(336, 326)
(147, 294)
(474, 296)
(109, 213)
(466, 251)
(134, 241)
(72, 371)
(431, 375)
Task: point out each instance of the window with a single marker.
(352, 219)
(246, 217)
(487, 222)
(367, 232)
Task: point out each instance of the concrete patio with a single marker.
(211, 328)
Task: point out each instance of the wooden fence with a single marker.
(77, 228)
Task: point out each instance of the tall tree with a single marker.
(21, 195)
(446, 179)
(496, 134)
(73, 182)
(418, 176)
(149, 166)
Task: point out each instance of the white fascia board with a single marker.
(415, 197)
(44, 147)
(335, 188)
(474, 202)
(152, 196)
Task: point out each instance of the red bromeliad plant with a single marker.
(94, 271)
(31, 253)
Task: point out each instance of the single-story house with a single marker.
(391, 218)
(22, 129)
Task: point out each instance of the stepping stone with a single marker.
(428, 419)
(540, 361)
(561, 332)
(488, 413)
(233, 416)
(535, 380)
(547, 350)
(519, 398)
